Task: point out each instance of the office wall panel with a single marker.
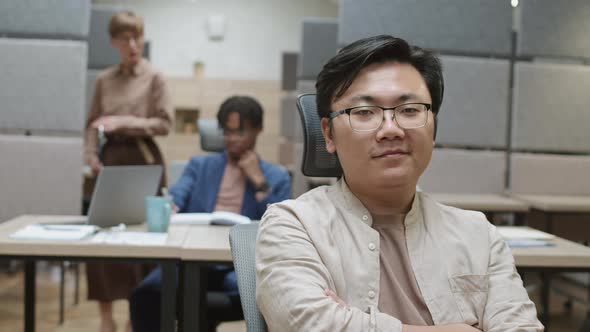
(100, 52)
(42, 92)
(474, 109)
(465, 171)
(319, 43)
(289, 71)
(290, 121)
(554, 28)
(455, 25)
(545, 174)
(550, 107)
(40, 175)
(305, 86)
(45, 19)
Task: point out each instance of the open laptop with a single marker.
(120, 192)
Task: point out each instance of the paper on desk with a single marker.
(54, 232)
(511, 233)
(131, 238)
(525, 243)
(191, 218)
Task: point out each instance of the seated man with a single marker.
(235, 180)
(369, 253)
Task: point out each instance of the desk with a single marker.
(564, 256)
(30, 251)
(487, 203)
(204, 246)
(552, 204)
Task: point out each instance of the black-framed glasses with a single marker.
(370, 118)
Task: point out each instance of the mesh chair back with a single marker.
(211, 135)
(316, 161)
(242, 239)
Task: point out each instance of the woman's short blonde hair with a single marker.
(125, 21)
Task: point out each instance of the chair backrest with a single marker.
(316, 161)
(242, 239)
(211, 135)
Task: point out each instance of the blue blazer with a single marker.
(197, 188)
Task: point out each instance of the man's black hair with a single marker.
(339, 73)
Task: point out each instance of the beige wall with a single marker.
(206, 95)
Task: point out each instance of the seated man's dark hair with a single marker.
(248, 108)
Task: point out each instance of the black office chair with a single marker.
(317, 161)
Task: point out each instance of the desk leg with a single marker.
(30, 274)
(168, 307)
(519, 219)
(62, 291)
(194, 314)
(549, 223)
(545, 289)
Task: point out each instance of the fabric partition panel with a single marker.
(54, 19)
(306, 86)
(290, 122)
(319, 43)
(465, 171)
(464, 26)
(474, 110)
(42, 93)
(554, 28)
(40, 175)
(100, 52)
(550, 108)
(545, 174)
(289, 74)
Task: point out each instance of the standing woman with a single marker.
(130, 105)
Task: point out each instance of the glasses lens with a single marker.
(366, 118)
(411, 115)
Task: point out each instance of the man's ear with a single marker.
(328, 135)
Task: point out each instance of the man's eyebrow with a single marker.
(370, 99)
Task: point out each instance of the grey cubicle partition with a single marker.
(305, 86)
(474, 112)
(452, 25)
(550, 107)
(289, 71)
(42, 86)
(554, 28)
(40, 175)
(54, 19)
(100, 52)
(465, 171)
(546, 174)
(319, 43)
(290, 121)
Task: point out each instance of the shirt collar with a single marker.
(136, 70)
(358, 210)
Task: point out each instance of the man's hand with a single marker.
(95, 164)
(112, 123)
(335, 297)
(251, 167)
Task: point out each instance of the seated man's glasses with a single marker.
(370, 118)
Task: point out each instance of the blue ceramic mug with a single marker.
(157, 213)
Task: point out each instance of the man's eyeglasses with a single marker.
(370, 118)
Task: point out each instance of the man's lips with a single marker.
(390, 153)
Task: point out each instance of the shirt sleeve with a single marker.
(291, 280)
(160, 116)
(91, 139)
(508, 307)
(182, 189)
